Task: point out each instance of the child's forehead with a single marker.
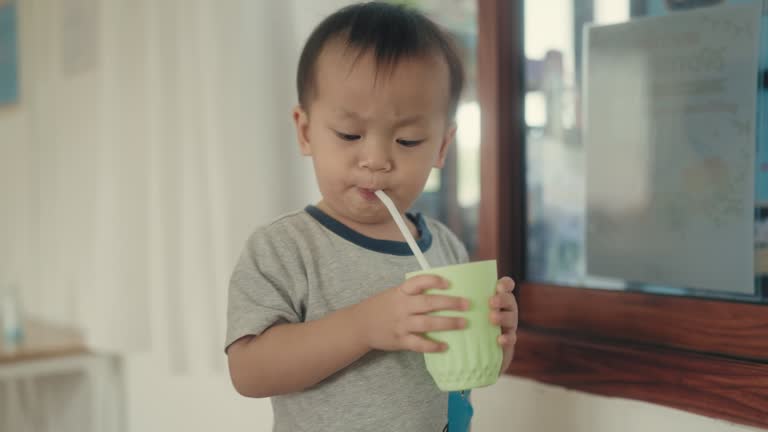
(338, 53)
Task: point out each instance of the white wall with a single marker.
(150, 138)
(520, 405)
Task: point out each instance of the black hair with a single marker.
(393, 32)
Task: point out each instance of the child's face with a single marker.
(370, 129)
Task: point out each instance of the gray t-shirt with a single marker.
(306, 265)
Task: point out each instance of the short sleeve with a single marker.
(461, 250)
(267, 287)
(448, 240)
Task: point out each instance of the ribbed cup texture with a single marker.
(468, 363)
(473, 358)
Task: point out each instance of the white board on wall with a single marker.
(670, 110)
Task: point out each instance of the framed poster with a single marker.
(671, 176)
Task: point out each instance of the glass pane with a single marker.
(645, 167)
(452, 194)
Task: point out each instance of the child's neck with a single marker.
(383, 231)
(388, 231)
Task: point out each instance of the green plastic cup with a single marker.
(473, 358)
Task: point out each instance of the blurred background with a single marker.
(146, 140)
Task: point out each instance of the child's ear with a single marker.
(301, 122)
(447, 140)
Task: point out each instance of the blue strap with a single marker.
(460, 411)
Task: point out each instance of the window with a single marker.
(452, 194)
(703, 350)
(677, 204)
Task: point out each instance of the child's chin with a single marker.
(369, 213)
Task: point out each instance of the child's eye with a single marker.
(409, 143)
(347, 137)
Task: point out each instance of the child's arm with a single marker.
(290, 358)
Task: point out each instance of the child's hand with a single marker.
(504, 313)
(395, 319)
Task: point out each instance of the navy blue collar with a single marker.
(384, 246)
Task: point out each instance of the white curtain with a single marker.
(151, 137)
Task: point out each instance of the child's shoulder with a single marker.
(284, 230)
(296, 218)
(439, 229)
(444, 238)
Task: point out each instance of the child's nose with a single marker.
(375, 157)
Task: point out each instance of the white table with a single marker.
(52, 383)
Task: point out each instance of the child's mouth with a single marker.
(368, 194)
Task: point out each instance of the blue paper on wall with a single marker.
(9, 81)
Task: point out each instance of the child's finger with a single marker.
(507, 339)
(425, 323)
(504, 301)
(505, 319)
(418, 284)
(423, 345)
(505, 285)
(432, 303)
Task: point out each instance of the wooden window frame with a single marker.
(704, 356)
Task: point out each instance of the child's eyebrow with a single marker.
(399, 123)
(410, 120)
(349, 114)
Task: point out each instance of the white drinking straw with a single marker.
(403, 228)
